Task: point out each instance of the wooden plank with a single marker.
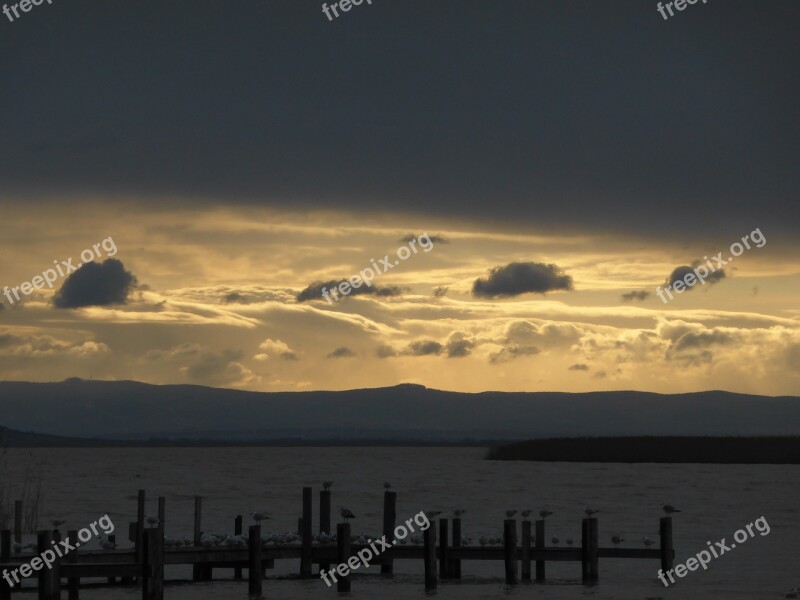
(325, 519)
(667, 551)
(45, 583)
(342, 555)
(237, 530)
(593, 553)
(444, 540)
(510, 550)
(455, 564)
(254, 573)
(153, 565)
(389, 522)
(73, 581)
(5, 555)
(18, 521)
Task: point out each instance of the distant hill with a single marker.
(131, 410)
(717, 450)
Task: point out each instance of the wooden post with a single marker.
(540, 571)
(305, 558)
(153, 566)
(667, 551)
(237, 530)
(74, 582)
(526, 550)
(254, 575)
(5, 555)
(342, 554)
(139, 542)
(162, 515)
(444, 538)
(430, 557)
(585, 571)
(18, 521)
(510, 543)
(389, 520)
(593, 555)
(198, 571)
(113, 539)
(325, 520)
(455, 563)
(45, 577)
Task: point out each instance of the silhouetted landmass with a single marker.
(777, 450)
(129, 410)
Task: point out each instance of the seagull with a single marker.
(590, 511)
(327, 484)
(616, 540)
(151, 520)
(545, 513)
(346, 514)
(510, 513)
(17, 547)
(555, 541)
(647, 542)
(387, 485)
(458, 512)
(669, 509)
(259, 516)
(56, 523)
(570, 542)
(432, 513)
(107, 544)
(483, 540)
(526, 513)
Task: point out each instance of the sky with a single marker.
(556, 163)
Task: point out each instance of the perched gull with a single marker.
(56, 523)
(346, 514)
(432, 513)
(647, 542)
(590, 512)
(526, 513)
(669, 509)
(151, 520)
(327, 484)
(616, 540)
(259, 516)
(107, 544)
(387, 485)
(17, 547)
(458, 512)
(555, 541)
(570, 542)
(545, 513)
(510, 513)
(483, 540)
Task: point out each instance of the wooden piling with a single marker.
(139, 542)
(254, 574)
(429, 538)
(325, 520)
(199, 572)
(5, 555)
(113, 539)
(667, 551)
(389, 521)
(526, 550)
(45, 577)
(444, 554)
(305, 559)
(455, 563)
(237, 530)
(342, 555)
(153, 565)
(74, 582)
(540, 569)
(510, 547)
(162, 515)
(590, 563)
(18, 521)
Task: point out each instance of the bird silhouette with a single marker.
(647, 542)
(570, 542)
(545, 513)
(590, 511)
(346, 514)
(327, 485)
(458, 512)
(617, 540)
(669, 509)
(526, 513)
(259, 516)
(555, 541)
(510, 513)
(387, 485)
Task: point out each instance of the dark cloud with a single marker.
(234, 298)
(640, 295)
(511, 352)
(96, 284)
(680, 272)
(694, 340)
(384, 351)
(440, 292)
(579, 367)
(314, 290)
(520, 278)
(423, 348)
(342, 352)
(435, 239)
(289, 356)
(459, 348)
(600, 375)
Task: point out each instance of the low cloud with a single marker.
(314, 290)
(512, 352)
(680, 272)
(637, 295)
(423, 348)
(342, 352)
(275, 349)
(436, 239)
(440, 292)
(96, 284)
(521, 278)
(579, 367)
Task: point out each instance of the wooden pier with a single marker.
(144, 563)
